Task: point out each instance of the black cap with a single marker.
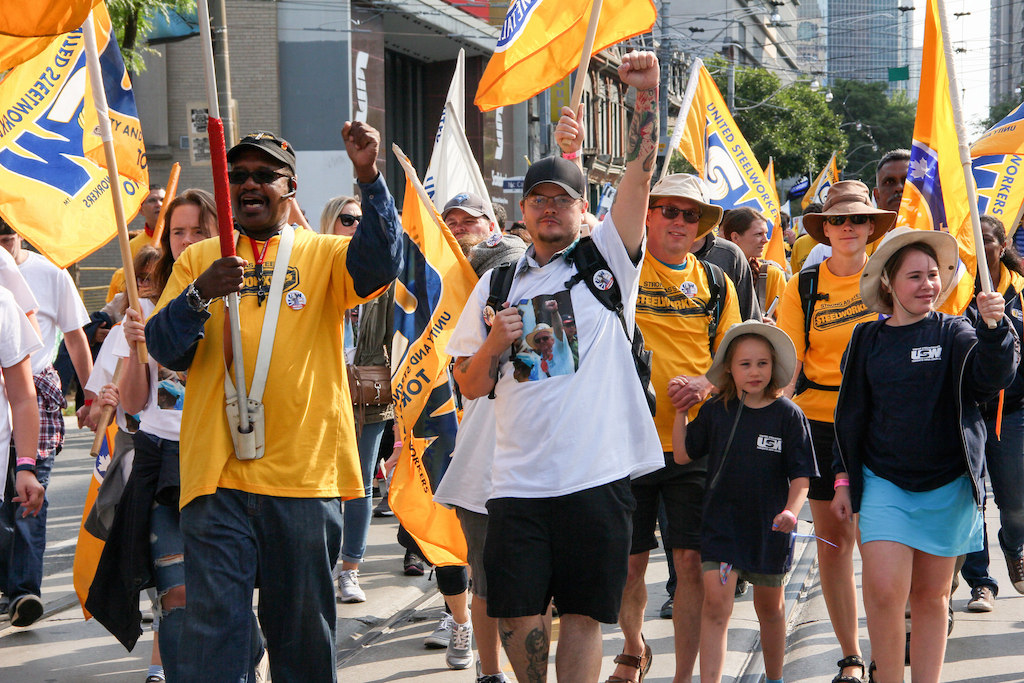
(562, 172)
(269, 144)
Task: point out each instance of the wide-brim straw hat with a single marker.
(693, 188)
(785, 352)
(945, 247)
(541, 327)
(848, 198)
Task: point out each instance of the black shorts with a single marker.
(573, 548)
(474, 528)
(823, 435)
(682, 490)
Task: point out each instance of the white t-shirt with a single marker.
(12, 279)
(467, 481)
(162, 415)
(819, 252)
(576, 429)
(60, 307)
(18, 339)
(103, 369)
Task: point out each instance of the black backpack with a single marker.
(807, 286)
(589, 261)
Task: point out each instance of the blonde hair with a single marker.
(332, 211)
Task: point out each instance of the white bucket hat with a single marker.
(785, 352)
(945, 247)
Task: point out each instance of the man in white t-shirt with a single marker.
(559, 512)
(23, 539)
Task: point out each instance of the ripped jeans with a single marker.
(167, 548)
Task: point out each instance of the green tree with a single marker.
(133, 19)
(790, 123)
(998, 111)
(873, 123)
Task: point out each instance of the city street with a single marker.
(382, 639)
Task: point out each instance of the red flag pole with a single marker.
(965, 155)
(588, 48)
(99, 97)
(219, 161)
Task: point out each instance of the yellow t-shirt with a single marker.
(675, 328)
(831, 329)
(310, 435)
(117, 284)
(801, 248)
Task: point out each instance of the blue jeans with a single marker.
(357, 512)
(289, 545)
(1004, 460)
(23, 541)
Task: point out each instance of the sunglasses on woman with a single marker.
(348, 220)
(856, 219)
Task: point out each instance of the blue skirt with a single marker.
(945, 521)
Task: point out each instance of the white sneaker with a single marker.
(348, 586)
(442, 635)
(460, 647)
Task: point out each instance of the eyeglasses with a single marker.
(348, 220)
(671, 213)
(856, 219)
(540, 201)
(238, 176)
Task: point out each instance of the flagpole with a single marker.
(169, 192)
(218, 160)
(588, 48)
(684, 113)
(107, 414)
(92, 61)
(965, 154)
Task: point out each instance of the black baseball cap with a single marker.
(562, 172)
(268, 143)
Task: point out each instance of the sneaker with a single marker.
(460, 647)
(26, 610)
(741, 588)
(442, 635)
(155, 678)
(981, 600)
(1015, 566)
(492, 678)
(383, 509)
(666, 609)
(348, 586)
(413, 564)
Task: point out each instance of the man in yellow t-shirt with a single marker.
(278, 517)
(681, 322)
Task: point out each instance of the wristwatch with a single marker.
(195, 301)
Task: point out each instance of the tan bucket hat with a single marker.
(693, 188)
(945, 247)
(848, 198)
(785, 352)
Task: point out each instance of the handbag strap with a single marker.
(728, 445)
(270, 315)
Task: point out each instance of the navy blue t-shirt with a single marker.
(914, 440)
(772, 446)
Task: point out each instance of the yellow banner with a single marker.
(26, 28)
(935, 196)
(541, 43)
(89, 548)
(775, 250)
(430, 294)
(54, 189)
(819, 188)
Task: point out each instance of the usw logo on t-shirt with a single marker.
(772, 444)
(925, 353)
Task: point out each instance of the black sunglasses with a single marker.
(856, 219)
(238, 176)
(671, 213)
(348, 220)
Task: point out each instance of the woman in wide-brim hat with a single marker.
(911, 438)
(820, 327)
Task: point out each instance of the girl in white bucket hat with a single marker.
(910, 441)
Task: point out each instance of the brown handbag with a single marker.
(370, 384)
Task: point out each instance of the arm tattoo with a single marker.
(463, 367)
(642, 143)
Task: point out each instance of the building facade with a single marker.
(1006, 49)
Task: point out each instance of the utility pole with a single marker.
(731, 95)
(222, 69)
(664, 59)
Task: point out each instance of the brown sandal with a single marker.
(641, 664)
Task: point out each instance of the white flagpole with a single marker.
(92, 62)
(965, 154)
(684, 113)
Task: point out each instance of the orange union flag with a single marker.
(541, 42)
(25, 27)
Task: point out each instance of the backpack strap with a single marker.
(762, 283)
(592, 269)
(501, 284)
(807, 285)
(713, 309)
